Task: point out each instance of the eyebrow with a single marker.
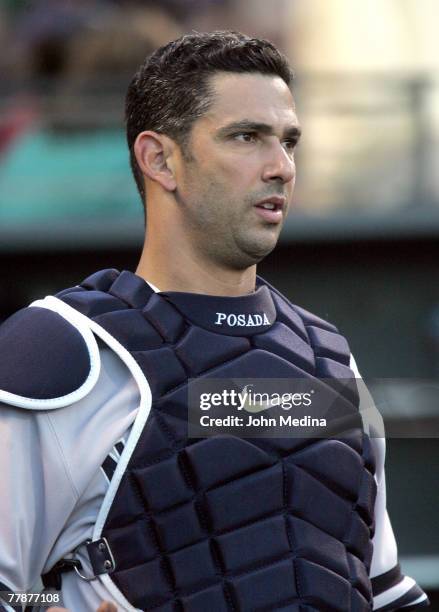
(294, 132)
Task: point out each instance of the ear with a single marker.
(154, 155)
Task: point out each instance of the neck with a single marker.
(180, 269)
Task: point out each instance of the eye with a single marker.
(290, 145)
(245, 136)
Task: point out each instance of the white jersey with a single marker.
(56, 466)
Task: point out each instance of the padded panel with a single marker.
(368, 552)
(289, 317)
(234, 504)
(359, 576)
(65, 292)
(128, 327)
(321, 459)
(162, 485)
(296, 608)
(131, 288)
(253, 544)
(92, 303)
(283, 341)
(129, 556)
(329, 368)
(179, 527)
(359, 603)
(282, 447)
(354, 439)
(357, 536)
(322, 586)
(228, 457)
(175, 427)
(167, 606)
(366, 499)
(101, 280)
(329, 344)
(156, 442)
(341, 376)
(193, 566)
(213, 599)
(148, 585)
(309, 318)
(252, 363)
(368, 455)
(165, 318)
(200, 350)
(308, 498)
(265, 587)
(132, 509)
(154, 363)
(317, 546)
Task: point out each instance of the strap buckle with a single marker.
(53, 578)
(101, 558)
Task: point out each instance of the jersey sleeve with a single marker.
(391, 589)
(36, 495)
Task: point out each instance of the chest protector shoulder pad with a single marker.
(45, 361)
(227, 523)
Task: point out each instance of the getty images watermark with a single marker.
(252, 404)
(272, 407)
(311, 407)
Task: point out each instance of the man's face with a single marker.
(239, 164)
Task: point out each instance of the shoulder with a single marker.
(48, 356)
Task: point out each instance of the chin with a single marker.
(256, 251)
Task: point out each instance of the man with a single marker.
(106, 495)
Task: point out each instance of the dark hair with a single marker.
(171, 88)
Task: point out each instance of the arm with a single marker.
(41, 356)
(392, 590)
(56, 396)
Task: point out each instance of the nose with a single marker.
(279, 166)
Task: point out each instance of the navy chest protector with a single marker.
(227, 523)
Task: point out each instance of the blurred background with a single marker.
(360, 247)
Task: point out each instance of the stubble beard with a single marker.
(218, 233)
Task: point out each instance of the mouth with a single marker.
(271, 209)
